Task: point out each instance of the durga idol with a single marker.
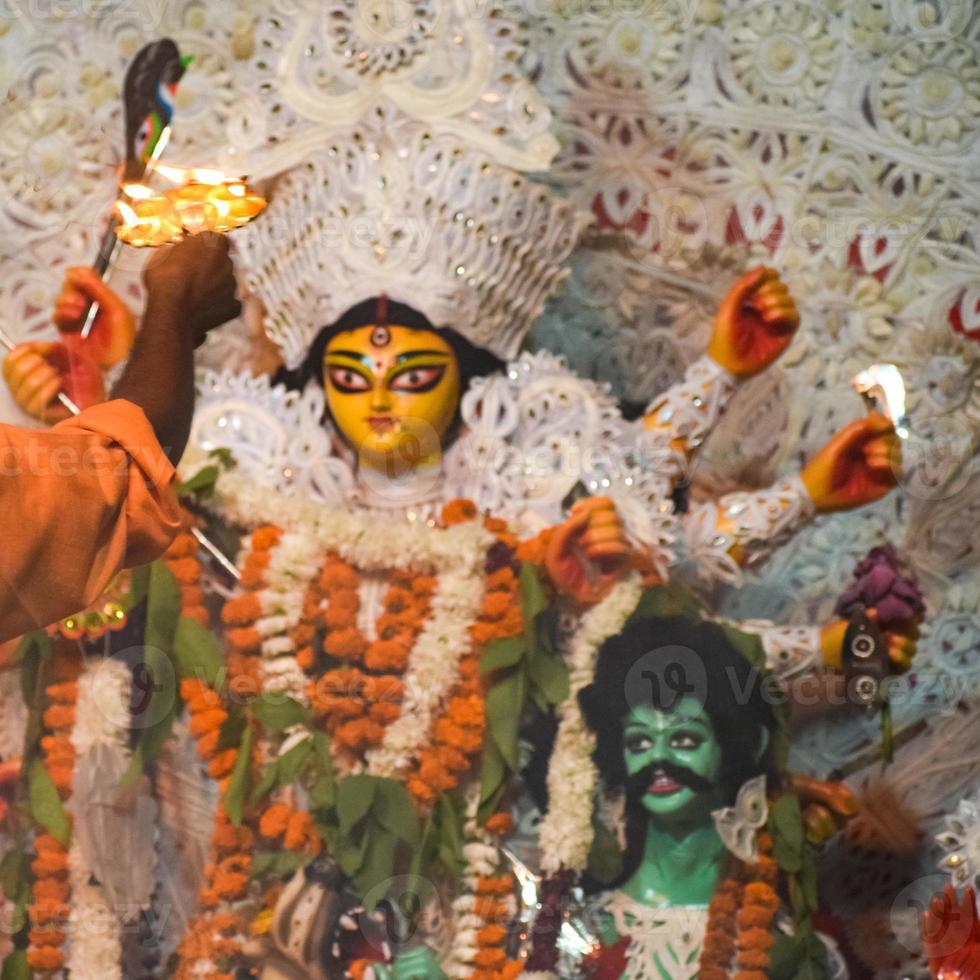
(367, 597)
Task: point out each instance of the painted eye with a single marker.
(143, 135)
(347, 380)
(637, 743)
(418, 379)
(686, 740)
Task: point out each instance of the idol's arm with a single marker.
(858, 466)
(684, 415)
(755, 323)
(791, 651)
(742, 529)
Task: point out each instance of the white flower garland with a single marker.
(360, 538)
(482, 859)
(95, 948)
(13, 718)
(455, 555)
(566, 829)
(293, 564)
(433, 669)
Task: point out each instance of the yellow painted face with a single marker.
(393, 392)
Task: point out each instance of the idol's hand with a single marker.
(902, 643)
(859, 465)
(754, 325)
(589, 552)
(951, 935)
(35, 372)
(114, 328)
(416, 964)
(195, 280)
(827, 806)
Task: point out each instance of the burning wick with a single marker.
(883, 388)
(203, 200)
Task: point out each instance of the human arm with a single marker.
(190, 289)
(92, 495)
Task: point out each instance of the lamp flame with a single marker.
(204, 200)
(129, 216)
(138, 192)
(196, 175)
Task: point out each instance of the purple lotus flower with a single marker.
(881, 582)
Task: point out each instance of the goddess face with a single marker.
(677, 758)
(393, 393)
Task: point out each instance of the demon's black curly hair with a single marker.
(732, 690)
(733, 693)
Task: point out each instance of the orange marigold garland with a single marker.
(214, 939)
(361, 694)
(216, 935)
(489, 907)
(740, 920)
(51, 889)
(183, 561)
(458, 734)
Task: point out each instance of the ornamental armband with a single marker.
(690, 409)
(758, 521)
(791, 651)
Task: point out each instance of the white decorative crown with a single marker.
(394, 208)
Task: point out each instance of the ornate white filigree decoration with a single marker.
(691, 409)
(663, 941)
(276, 436)
(791, 651)
(760, 520)
(322, 68)
(537, 433)
(960, 840)
(738, 825)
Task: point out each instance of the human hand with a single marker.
(37, 371)
(194, 279)
(755, 324)
(858, 466)
(114, 327)
(951, 935)
(588, 553)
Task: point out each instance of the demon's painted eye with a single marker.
(637, 742)
(380, 337)
(418, 379)
(348, 380)
(686, 740)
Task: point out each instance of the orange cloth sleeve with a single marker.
(78, 503)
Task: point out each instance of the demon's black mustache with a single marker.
(639, 783)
